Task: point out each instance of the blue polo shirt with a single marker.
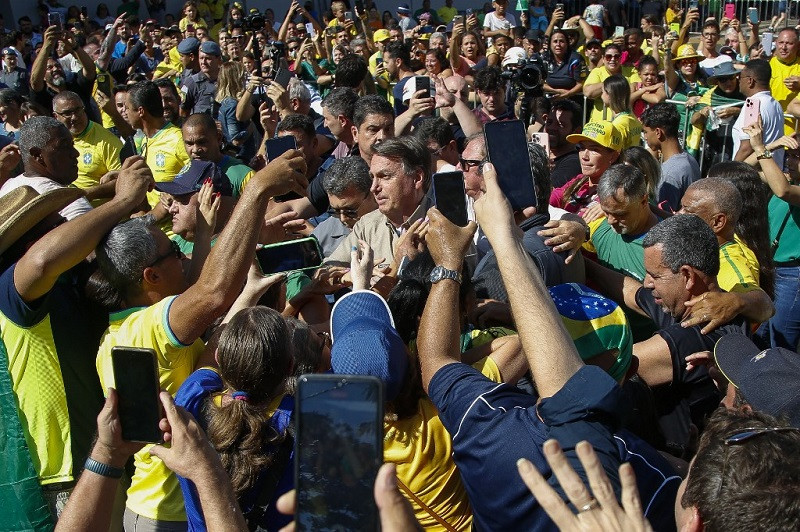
(493, 425)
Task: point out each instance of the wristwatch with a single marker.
(766, 154)
(440, 272)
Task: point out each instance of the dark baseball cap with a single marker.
(191, 178)
(188, 46)
(211, 48)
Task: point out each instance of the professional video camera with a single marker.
(527, 76)
(255, 21)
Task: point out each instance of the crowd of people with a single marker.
(622, 355)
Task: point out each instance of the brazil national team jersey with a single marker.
(165, 154)
(98, 154)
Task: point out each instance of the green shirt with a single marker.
(789, 241)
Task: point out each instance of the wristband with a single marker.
(104, 470)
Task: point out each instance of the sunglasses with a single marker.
(612, 57)
(743, 436)
(466, 164)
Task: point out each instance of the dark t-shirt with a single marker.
(476, 410)
(565, 168)
(691, 396)
(77, 83)
(567, 74)
(397, 92)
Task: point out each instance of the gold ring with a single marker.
(591, 505)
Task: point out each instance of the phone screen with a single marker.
(619, 31)
(507, 148)
(338, 450)
(450, 197)
(136, 381)
(292, 255)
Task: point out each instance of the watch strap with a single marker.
(440, 273)
(102, 469)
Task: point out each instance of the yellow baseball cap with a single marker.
(380, 35)
(602, 132)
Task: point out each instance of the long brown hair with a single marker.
(255, 357)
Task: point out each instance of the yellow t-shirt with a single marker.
(738, 267)
(171, 62)
(165, 154)
(199, 23)
(98, 153)
(630, 128)
(599, 75)
(781, 71)
(423, 451)
(446, 14)
(154, 490)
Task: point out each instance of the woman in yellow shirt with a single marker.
(616, 97)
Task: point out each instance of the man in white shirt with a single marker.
(50, 161)
(754, 84)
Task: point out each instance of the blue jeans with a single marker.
(783, 329)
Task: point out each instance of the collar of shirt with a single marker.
(419, 212)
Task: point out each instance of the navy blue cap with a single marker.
(9, 51)
(188, 46)
(769, 379)
(191, 177)
(211, 48)
(365, 341)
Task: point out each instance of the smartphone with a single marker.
(468, 11)
(730, 11)
(55, 19)
(619, 31)
(348, 15)
(693, 4)
(450, 196)
(279, 145)
(560, 6)
(422, 83)
(338, 451)
(752, 15)
(136, 380)
(378, 61)
(752, 109)
(458, 19)
(507, 148)
(766, 43)
(310, 29)
(289, 256)
(543, 140)
(283, 76)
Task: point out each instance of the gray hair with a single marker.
(412, 152)
(36, 132)
(298, 90)
(687, 241)
(630, 179)
(126, 251)
(438, 35)
(68, 96)
(723, 194)
(357, 42)
(345, 173)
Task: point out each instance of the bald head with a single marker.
(720, 193)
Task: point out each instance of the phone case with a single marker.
(730, 11)
(752, 109)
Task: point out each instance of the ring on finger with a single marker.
(591, 505)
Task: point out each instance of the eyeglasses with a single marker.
(347, 212)
(70, 112)
(466, 164)
(174, 250)
(711, 35)
(612, 57)
(743, 436)
(325, 339)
